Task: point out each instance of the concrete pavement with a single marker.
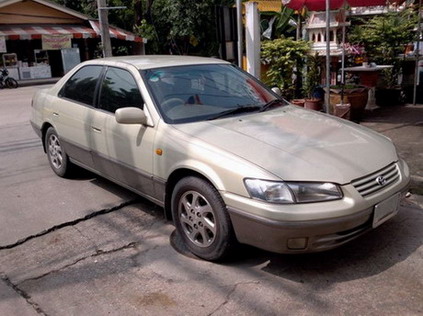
(33, 199)
(122, 263)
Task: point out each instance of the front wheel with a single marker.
(11, 83)
(201, 219)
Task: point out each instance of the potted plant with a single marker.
(299, 102)
(311, 82)
(283, 57)
(354, 95)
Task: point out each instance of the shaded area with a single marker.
(404, 126)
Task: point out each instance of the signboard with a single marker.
(70, 58)
(3, 44)
(56, 41)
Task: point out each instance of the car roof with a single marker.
(156, 61)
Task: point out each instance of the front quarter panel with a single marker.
(224, 170)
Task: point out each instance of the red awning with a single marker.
(320, 5)
(117, 33)
(27, 32)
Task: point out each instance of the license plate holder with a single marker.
(385, 210)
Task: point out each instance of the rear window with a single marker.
(81, 86)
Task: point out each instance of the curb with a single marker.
(416, 185)
(36, 82)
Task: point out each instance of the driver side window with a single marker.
(119, 89)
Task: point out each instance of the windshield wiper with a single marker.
(239, 109)
(269, 104)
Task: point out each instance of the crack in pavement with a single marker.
(70, 223)
(96, 254)
(228, 296)
(22, 294)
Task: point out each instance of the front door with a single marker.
(126, 148)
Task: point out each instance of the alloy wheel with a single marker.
(197, 218)
(55, 151)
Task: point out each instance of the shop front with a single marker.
(39, 39)
(43, 52)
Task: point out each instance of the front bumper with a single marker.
(308, 227)
(299, 237)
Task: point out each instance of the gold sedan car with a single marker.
(228, 159)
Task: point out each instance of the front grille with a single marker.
(369, 184)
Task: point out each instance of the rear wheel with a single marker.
(57, 157)
(201, 219)
(11, 83)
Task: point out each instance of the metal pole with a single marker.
(416, 70)
(239, 31)
(299, 35)
(343, 59)
(103, 20)
(343, 54)
(327, 96)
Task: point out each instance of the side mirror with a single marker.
(277, 91)
(130, 115)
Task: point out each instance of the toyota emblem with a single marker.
(381, 180)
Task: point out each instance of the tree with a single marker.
(185, 26)
(170, 26)
(123, 18)
(181, 27)
(87, 7)
(384, 37)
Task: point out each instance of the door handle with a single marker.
(96, 129)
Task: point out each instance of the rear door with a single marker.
(73, 113)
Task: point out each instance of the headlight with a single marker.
(292, 192)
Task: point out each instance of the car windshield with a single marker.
(205, 92)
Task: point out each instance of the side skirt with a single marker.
(157, 183)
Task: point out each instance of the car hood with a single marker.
(298, 145)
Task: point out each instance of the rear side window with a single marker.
(81, 86)
(118, 90)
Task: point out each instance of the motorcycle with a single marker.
(6, 81)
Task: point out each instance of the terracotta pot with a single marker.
(313, 104)
(356, 98)
(299, 102)
(343, 111)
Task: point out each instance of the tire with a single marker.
(11, 83)
(201, 219)
(57, 157)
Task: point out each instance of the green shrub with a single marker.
(285, 57)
